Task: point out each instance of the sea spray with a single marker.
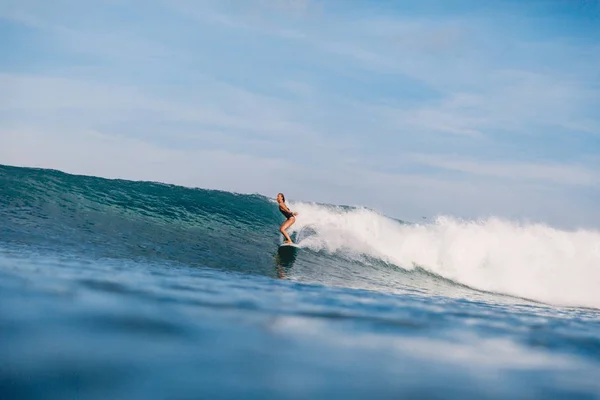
(532, 261)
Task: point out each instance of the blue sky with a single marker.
(466, 108)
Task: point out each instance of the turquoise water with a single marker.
(119, 289)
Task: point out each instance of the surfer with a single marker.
(290, 217)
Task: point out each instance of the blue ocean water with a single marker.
(119, 289)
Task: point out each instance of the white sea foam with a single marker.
(533, 261)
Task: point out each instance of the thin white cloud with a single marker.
(249, 17)
(564, 174)
(220, 115)
(239, 109)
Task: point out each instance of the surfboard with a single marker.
(286, 253)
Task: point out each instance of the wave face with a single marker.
(133, 220)
(346, 246)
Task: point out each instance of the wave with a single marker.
(349, 246)
(531, 261)
(136, 220)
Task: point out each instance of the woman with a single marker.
(289, 215)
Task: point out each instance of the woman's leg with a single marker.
(286, 224)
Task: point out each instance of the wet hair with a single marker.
(282, 196)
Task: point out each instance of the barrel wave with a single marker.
(342, 246)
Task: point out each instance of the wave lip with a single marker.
(532, 261)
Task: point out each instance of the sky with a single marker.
(412, 108)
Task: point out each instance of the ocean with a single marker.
(114, 289)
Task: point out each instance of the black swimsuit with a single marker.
(286, 214)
